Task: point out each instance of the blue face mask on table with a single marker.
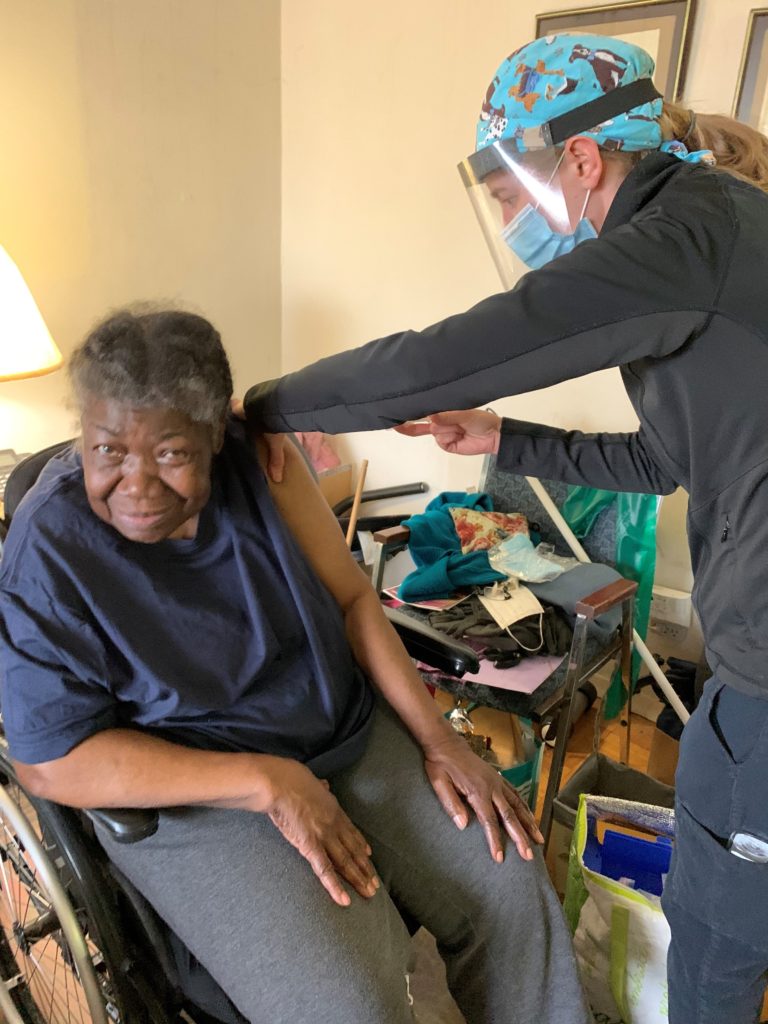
(530, 236)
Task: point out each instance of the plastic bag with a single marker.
(516, 557)
(636, 516)
(566, 562)
(620, 934)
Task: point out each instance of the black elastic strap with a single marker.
(589, 115)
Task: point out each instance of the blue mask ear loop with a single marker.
(549, 179)
(586, 201)
(549, 182)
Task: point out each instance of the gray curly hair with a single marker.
(165, 359)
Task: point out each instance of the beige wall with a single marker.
(379, 104)
(141, 160)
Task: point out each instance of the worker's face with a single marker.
(147, 471)
(547, 183)
(530, 206)
(508, 191)
(531, 184)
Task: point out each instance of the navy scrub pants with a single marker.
(716, 903)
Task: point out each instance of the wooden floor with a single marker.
(495, 724)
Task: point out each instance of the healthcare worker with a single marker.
(642, 256)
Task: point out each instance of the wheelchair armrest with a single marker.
(127, 825)
(392, 535)
(597, 604)
(431, 646)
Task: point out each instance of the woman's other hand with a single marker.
(461, 432)
(275, 444)
(456, 772)
(308, 815)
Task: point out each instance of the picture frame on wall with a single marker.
(661, 27)
(751, 100)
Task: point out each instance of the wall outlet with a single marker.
(669, 630)
(671, 606)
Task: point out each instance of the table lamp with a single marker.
(26, 346)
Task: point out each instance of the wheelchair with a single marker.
(78, 943)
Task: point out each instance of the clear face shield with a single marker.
(519, 202)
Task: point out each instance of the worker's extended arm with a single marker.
(616, 462)
(610, 302)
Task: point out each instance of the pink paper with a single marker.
(522, 678)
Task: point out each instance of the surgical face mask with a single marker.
(531, 238)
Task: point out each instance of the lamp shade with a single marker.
(26, 346)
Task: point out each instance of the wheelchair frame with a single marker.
(116, 947)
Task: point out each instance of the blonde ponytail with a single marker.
(738, 149)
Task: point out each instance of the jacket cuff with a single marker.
(515, 443)
(259, 408)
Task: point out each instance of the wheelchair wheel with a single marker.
(53, 969)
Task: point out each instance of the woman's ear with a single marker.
(585, 162)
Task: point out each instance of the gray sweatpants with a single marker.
(249, 908)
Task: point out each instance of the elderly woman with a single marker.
(180, 634)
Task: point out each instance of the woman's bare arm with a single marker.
(456, 774)
(376, 646)
(128, 768)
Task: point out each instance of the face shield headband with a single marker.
(555, 132)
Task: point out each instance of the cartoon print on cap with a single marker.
(554, 75)
(609, 68)
(530, 80)
(496, 116)
(549, 77)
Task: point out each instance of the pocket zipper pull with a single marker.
(724, 535)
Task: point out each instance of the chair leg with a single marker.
(575, 663)
(377, 572)
(627, 625)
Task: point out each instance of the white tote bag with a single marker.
(620, 935)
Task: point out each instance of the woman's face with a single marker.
(147, 471)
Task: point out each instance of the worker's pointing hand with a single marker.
(461, 432)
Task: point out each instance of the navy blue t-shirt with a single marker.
(225, 642)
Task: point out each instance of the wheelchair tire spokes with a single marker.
(56, 972)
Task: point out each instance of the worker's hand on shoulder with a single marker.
(460, 432)
(275, 444)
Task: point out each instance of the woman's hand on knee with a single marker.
(308, 815)
(457, 775)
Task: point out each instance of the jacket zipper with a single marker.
(726, 528)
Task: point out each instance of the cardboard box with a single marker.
(662, 760)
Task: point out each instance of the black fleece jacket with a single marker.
(675, 292)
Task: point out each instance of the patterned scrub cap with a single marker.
(565, 85)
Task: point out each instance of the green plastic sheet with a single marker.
(636, 516)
